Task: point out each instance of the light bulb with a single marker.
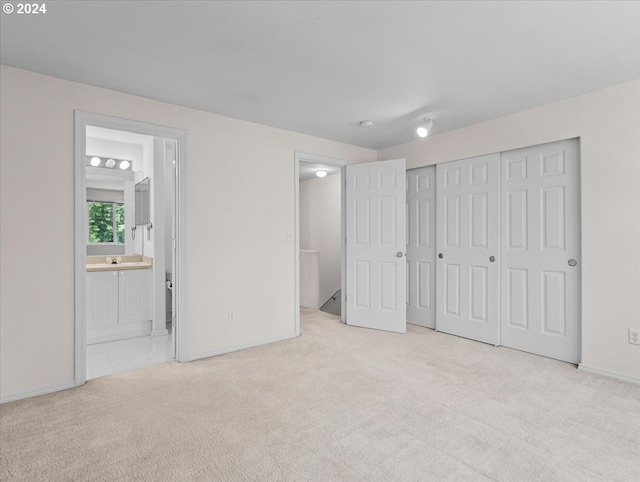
(95, 161)
(110, 163)
(423, 130)
(321, 173)
(124, 165)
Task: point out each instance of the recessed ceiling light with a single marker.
(110, 163)
(321, 173)
(366, 123)
(95, 161)
(124, 165)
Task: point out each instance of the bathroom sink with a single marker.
(118, 266)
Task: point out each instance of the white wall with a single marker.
(608, 125)
(238, 213)
(321, 228)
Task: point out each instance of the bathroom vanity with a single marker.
(119, 297)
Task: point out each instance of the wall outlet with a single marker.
(231, 315)
(634, 336)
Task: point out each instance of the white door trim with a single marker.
(329, 161)
(81, 121)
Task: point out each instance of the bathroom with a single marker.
(130, 261)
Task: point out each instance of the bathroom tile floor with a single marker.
(124, 355)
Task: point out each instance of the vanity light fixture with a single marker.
(124, 164)
(321, 173)
(95, 161)
(423, 130)
(110, 163)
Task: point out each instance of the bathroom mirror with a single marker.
(110, 211)
(142, 202)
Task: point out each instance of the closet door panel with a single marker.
(467, 243)
(541, 250)
(421, 247)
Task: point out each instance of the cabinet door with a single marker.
(102, 299)
(135, 295)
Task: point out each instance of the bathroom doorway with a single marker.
(128, 259)
(319, 235)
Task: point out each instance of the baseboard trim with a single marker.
(161, 332)
(209, 354)
(609, 374)
(37, 392)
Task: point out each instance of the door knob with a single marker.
(440, 255)
(399, 254)
(492, 258)
(572, 262)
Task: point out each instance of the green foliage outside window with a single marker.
(106, 222)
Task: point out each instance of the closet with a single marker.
(507, 249)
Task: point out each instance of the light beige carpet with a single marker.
(339, 403)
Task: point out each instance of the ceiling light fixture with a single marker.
(95, 161)
(110, 163)
(423, 130)
(321, 173)
(366, 123)
(124, 165)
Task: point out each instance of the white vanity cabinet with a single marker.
(118, 304)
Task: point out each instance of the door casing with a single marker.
(328, 161)
(81, 121)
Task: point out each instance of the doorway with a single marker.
(128, 198)
(319, 236)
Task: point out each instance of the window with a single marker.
(106, 222)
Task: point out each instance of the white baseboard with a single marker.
(160, 332)
(222, 351)
(608, 373)
(37, 392)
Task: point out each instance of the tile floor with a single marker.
(125, 355)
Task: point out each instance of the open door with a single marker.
(376, 280)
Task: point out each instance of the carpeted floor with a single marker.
(337, 404)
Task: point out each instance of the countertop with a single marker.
(99, 263)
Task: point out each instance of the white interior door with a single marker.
(541, 250)
(467, 242)
(421, 246)
(375, 196)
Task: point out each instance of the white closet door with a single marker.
(375, 246)
(421, 246)
(467, 292)
(541, 250)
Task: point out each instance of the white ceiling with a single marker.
(322, 67)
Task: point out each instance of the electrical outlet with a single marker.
(231, 315)
(634, 336)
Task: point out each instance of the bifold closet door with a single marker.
(421, 246)
(467, 243)
(541, 250)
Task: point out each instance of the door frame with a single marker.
(329, 161)
(81, 121)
